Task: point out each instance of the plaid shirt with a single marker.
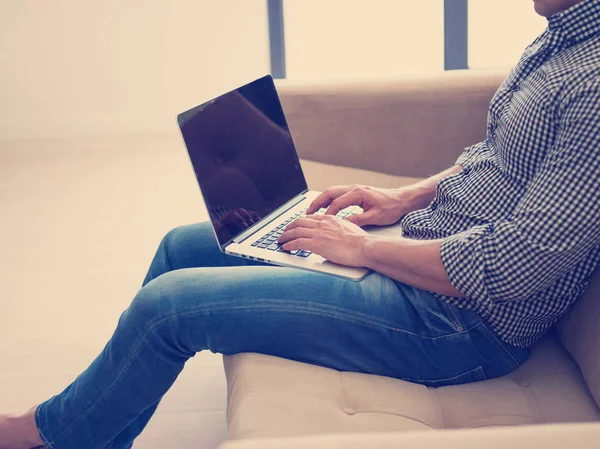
(521, 222)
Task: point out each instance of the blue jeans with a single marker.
(196, 298)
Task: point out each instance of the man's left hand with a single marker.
(328, 236)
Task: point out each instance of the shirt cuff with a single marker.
(464, 261)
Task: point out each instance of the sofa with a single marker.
(392, 133)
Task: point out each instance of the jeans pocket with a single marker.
(474, 375)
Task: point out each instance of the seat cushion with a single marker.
(273, 397)
(575, 436)
(579, 331)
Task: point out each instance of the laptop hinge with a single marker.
(270, 218)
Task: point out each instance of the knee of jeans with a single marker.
(146, 308)
(169, 243)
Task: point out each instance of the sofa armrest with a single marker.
(407, 127)
(553, 436)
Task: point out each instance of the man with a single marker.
(494, 251)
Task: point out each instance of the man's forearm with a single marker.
(413, 262)
(423, 192)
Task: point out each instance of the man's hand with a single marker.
(380, 206)
(335, 239)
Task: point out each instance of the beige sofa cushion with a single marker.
(275, 397)
(579, 331)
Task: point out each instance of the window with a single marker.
(341, 39)
(132, 66)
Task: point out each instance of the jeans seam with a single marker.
(477, 370)
(167, 258)
(351, 317)
(134, 353)
(42, 436)
(458, 325)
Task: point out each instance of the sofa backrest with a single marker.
(579, 332)
(411, 126)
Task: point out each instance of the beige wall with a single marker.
(73, 67)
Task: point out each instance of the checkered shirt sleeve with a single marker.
(555, 223)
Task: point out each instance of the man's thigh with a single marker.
(375, 326)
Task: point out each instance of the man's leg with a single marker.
(374, 326)
(191, 246)
(187, 246)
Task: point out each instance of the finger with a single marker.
(322, 200)
(295, 234)
(361, 219)
(308, 222)
(325, 198)
(342, 202)
(303, 243)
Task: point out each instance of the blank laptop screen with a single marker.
(243, 156)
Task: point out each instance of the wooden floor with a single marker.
(79, 225)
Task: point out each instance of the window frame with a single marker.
(456, 36)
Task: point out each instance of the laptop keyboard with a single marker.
(269, 240)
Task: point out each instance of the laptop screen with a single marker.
(243, 156)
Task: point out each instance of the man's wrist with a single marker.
(368, 251)
(415, 197)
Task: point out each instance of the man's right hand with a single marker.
(381, 207)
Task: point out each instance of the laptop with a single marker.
(250, 176)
